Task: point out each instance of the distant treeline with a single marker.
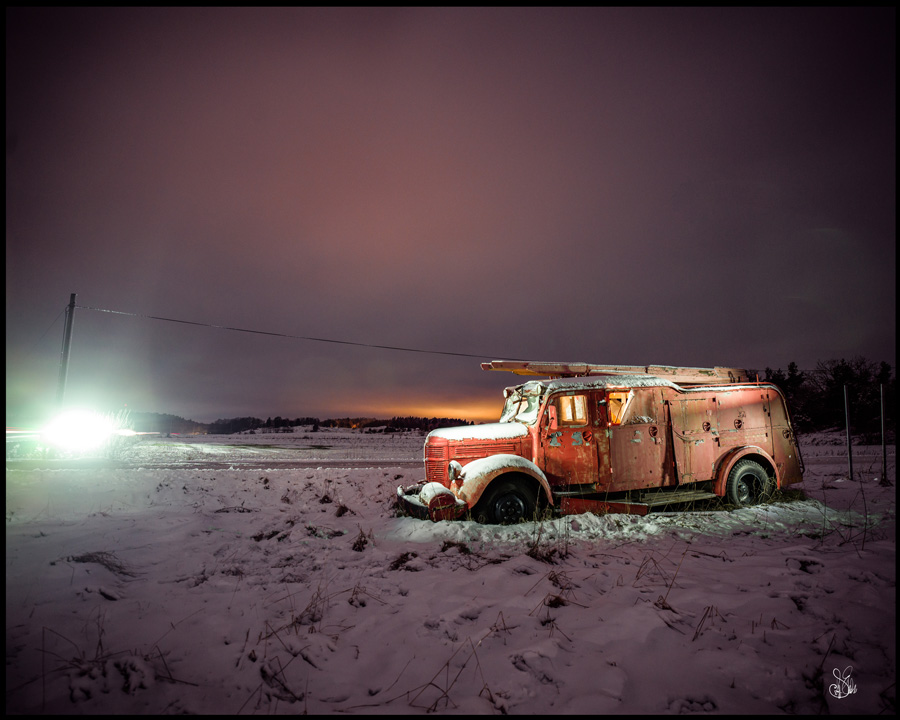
(159, 422)
(815, 399)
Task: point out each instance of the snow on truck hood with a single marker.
(488, 431)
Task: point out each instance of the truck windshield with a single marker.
(521, 407)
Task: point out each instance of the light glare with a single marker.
(79, 430)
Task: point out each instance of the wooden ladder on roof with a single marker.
(678, 375)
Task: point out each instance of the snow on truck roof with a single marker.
(623, 382)
(599, 382)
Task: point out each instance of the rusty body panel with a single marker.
(600, 440)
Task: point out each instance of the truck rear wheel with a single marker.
(506, 502)
(748, 483)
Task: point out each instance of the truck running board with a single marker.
(655, 499)
(574, 505)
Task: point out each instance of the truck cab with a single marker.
(610, 439)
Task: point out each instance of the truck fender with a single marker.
(730, 459)
(478, 474)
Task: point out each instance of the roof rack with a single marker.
(682, 375)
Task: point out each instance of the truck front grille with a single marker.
(475, 450)
(436, 463)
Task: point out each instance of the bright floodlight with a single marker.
(79, 431)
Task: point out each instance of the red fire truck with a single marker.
(607, 438)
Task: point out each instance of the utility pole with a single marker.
(64, 358)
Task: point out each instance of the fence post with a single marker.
(884, 478)
(847, 420)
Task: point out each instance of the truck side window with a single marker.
(572, 410)
(618, 404)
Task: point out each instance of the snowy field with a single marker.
(156, 585)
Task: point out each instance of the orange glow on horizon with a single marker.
(474, 409)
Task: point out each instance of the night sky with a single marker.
(632, 186)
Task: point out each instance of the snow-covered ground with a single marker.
(157, 586)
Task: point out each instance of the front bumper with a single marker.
(430, 501)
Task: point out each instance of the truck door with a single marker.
(570, 452)
(637, 439)
(695, 431)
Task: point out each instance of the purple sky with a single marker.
(633, 186)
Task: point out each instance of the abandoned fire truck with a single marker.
(605, 438)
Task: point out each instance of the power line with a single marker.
(293, 337)
(49, 328)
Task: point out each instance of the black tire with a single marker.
(748, 484)
(506, 502)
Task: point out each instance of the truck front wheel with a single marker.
(748, 483)
(506, 502)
